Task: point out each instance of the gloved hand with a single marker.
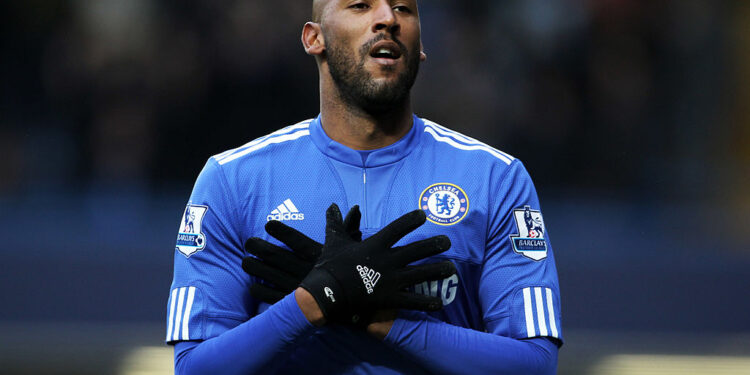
(353, 279)
(285, 269)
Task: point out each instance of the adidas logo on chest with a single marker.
(286, 211)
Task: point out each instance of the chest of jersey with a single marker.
(453, 200)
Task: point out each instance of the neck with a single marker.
(360, 129)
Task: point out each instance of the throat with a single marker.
(360, 130)
(359, 134)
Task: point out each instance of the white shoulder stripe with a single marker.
(225, 153)
(445, 131)
(269, 141)
(461, 137)
(473, 147)
(302, 125)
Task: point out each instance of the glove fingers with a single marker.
(335, 231)
(266, 293)
(413, 301)
(421, 249)
(304, 246)
(278, 257)
(351, 223)
(400, 227)
(425, 272)
(257, 268)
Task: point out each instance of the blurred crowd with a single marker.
(633, 98)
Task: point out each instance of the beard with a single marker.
(356, 85)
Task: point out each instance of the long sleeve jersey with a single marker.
(506, 285)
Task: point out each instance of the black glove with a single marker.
(352, 280)
(282, 268)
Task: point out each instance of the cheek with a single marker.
(342, 44)
(342, 34)
(411, 37)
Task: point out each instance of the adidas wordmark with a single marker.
(369, 276)
(285, 212)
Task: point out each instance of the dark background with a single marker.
(633, 118)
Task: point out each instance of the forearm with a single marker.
(447, 349)
(248, 348)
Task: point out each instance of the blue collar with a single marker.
(374, 158)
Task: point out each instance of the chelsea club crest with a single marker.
(529, 241)
(444, 203)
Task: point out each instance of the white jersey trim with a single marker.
(530, 331)
(289, 129)
(538, 319)
(186, 316)
(460, 146)
(178, 316)
(180, 309)
(551, 310)
(467, 140)
(170, 323)
(269, 141)
(540, 312)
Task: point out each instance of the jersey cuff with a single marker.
(298, 320)
(405, 325)
(392, 337)
(536, 313)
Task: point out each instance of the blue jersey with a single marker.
(481, 198)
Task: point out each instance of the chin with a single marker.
(384, 83)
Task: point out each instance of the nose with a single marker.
(385, 18)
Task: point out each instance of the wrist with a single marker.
(380, 330)
(309, 307)
(381, 324)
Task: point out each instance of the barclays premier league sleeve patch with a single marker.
(529, 241)
(190, 240)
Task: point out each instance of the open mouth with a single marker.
(386, 49)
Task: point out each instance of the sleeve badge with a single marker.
(190, 239)
(529, 241)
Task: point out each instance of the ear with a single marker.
(422, 54)
(312, 39)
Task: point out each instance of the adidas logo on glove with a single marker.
(369, 276)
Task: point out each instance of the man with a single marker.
(501, 310)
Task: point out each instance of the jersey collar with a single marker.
(382, 156)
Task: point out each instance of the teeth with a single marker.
(385, 51)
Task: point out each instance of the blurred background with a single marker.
(633, 118)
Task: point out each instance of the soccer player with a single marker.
(500, 310)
